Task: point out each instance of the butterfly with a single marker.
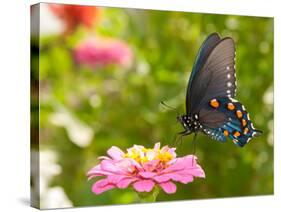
(210, 104)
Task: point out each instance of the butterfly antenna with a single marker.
(194, 147)
(169, 107)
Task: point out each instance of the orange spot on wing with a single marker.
(226, 133)
(236, 134)
(214, 103)
(239, 114)
(246, 130)
(230, 106)
(244, 122)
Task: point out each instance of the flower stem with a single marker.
(145, 197)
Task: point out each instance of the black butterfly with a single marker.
(210, 107)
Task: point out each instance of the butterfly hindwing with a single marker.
(234, 121)
(216, 134)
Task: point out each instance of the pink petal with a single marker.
(114, 179)
(124, 183)
(135, 163)
(183, 178)
(168, 187)
(115, 153)
(93, 170)
(162, 178)
(190, 160)
(150, 166)
(96, 171)
(111, 166)
(183, 170)
(104, 158)
(179, 164)
(187, 162)
(147, 174)
(144, 185)
(177, 176)
(196, 172)
(102, 186)
(157, 146)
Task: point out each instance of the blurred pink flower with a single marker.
(103, 51)
(144, 168)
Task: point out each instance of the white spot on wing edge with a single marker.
(233, 100)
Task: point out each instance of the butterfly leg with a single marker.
(180, 135)
(194, 147)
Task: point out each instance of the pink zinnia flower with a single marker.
(143, 169)
(103, 51)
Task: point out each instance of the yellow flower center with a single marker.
(143, 155)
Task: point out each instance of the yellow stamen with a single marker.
(143, 155)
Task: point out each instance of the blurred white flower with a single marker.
(270, 137)
(35, 181)
(268, 99)
(264, 47)
(78, 132)
(232, 23)
(143, 68)
(55, 197)
(49, 23)
(95, 101)
(268, 96)
(48, 168)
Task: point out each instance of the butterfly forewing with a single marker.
(217, 76)
(201, 58)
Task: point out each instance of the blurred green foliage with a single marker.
(121, 107)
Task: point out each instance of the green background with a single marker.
(121, 106)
